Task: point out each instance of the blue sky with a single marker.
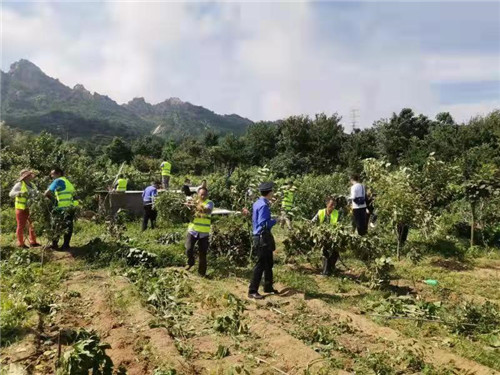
(270, 60)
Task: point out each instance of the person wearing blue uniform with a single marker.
(148, 196)
(263, 243)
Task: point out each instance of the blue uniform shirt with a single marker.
(261, 216)
(148, 194)
(57, 185)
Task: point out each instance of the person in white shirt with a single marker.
(358, 201)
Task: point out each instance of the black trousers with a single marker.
(203, 244)
(264, 266)
(329, 261)
(360, 220)
(63, 223)
(149, 214)
(402, 231)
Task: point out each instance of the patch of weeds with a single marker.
(297, 280)
(137, 257)
(164, 291)
(237, 370)
(380, 363)
(380, 272)
(405, 306)
(101, 253)
(184, 348)
(231, 321)
(171, 238)
(12, 317)
(88, 353)
(471, 319)
(222, 352)
(74, 294)
(165, 372)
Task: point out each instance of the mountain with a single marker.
(33, 101)
(176, 118)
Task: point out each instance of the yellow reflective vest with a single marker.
(122, 185)
(65, 197)
(334, 216)
(165, 168)
(202, 222)
(22, 198)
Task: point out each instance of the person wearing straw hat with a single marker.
(22, 191)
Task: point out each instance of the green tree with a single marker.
(118, 151)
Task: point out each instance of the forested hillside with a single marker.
(33, 101)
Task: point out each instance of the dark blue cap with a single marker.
(266, 186)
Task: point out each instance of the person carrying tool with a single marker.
(263, 243)
(22, 191)
(330, 216)
(63, 215)
(165, 174)
(199, 230)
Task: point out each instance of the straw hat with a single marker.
(25, 173)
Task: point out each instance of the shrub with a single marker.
(171, 238)
(102, 253)
(231, 238)
(312, 191)
(172, 209)
(299, 240)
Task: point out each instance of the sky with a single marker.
(267, 61)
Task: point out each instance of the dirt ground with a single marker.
(110, 304)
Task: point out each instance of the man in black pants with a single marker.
(358, 200)
(148, 196)
(199, 230)
(263, 242)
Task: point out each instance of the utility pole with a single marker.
(354, 119)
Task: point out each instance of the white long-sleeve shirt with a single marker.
(357, 191)
(16, 189)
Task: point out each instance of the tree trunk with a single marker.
(473, 223)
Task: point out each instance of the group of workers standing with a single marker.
(62, 193)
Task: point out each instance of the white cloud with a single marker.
(260, 60)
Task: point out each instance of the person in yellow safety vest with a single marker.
(287, 205)
(328, 215)
(121, 185)
(199, 230)
(165, 173)
(64, 192)
(22, 191)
